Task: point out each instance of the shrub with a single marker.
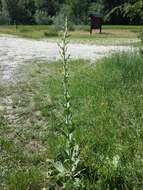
(134, 12)
(41, 17)
(4, 19)
(52, 32)
(60, 17)
(96, 7)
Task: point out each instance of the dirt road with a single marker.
(15, 51)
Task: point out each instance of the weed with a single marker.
(66, 164)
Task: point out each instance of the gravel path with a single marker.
(15, 51)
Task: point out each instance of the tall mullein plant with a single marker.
(68, 131)
(67, 168)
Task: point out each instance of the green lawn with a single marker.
(124, 35)
(107, 100)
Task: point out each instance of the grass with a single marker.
(107, 108)
(119, 35)
(33, 31)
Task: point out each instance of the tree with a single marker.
(29, 11)
(124, 11)
(51, 7)
(20, 11)
(4, 14)
(97, 7)
(134, 12)
(26, 11)
(79, 10)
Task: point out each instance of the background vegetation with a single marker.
(53, 11)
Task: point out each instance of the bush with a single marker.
(96, 8)
(60, 17)
(134, 12)
(52, 32)
(41, 17)
(4, 19)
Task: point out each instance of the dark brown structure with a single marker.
(96, 22)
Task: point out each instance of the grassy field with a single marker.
(119, 35)
(107, 104)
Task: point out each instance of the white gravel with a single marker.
(15, 51)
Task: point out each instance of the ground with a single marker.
(107, 108)
(113, 35)
(16, 51)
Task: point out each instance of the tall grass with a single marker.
(108, 106)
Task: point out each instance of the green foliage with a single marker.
(130, 12)
(41, 17)
(134, 12)
(23, 179)
(21, 11)
(51, 32)
(51, 7)
(97, 8)
(79, 10)
(59, 18)
(4, 14)
(107, 104)
(4, 19)
(41, 11)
